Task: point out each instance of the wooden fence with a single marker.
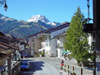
(76, 70)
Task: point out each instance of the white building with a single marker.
(60, 47)
(46, 41)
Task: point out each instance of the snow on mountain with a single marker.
(5, 18)
(52, 23)
(36, 18)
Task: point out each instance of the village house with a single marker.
(9, 55)
(46, 41)
(50, 41)
(60, 46)
(23, 46)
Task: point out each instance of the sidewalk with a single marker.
(77, 69)
(63, 73)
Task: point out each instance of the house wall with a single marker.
(31, 47)
(98, 64)
(31, 42)
(90, 40)
(58, 32)
(47, 45)
(60, 48)
(49, 42)
(54, 50)
(43, 43)
(16, 69)
(2, 60)
(37, 44)
(22, 47)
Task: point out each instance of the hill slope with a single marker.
(20, 29)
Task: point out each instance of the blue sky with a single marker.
(53, 10)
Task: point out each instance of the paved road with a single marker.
(40, 68)
(48, 65)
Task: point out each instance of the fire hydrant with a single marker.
(62, 64)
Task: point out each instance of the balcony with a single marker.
(59, 45)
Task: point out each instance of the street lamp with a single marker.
(3, 2)
(88, 27)
(5, 6)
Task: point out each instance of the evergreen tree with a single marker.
(76, 39)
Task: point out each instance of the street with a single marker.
(48, 66)
(39, 68)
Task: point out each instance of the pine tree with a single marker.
(76, 39)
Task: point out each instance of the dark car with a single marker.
(24, 66)
(28, 56)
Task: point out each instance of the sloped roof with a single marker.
(63, 34)
(4, 45)
(10, 37)
(50, 30)
(1, 34)
(3, 51)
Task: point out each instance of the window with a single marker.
(33, 44)
(49, 37)
(33, 39)
(58, 38)
(46, 45)
(46, 38)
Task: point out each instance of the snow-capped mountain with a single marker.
(6, 18)
(22, 28)
(36, 18)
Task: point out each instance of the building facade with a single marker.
(9, 55)
(46, 41)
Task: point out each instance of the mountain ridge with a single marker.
(20, 29)
(36, 18)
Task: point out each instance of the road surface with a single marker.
(50, 66)
(40, 68)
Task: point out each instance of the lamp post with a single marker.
(89, 28)
(3, 2)
(88, 5)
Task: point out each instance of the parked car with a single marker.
(28, 56)
(24, 66)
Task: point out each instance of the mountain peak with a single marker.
(6, 18)
(36, 18)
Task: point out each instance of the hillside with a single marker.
(20, 29)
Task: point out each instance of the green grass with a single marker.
(27, 26)
(14, 29)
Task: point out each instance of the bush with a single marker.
(42, 54)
